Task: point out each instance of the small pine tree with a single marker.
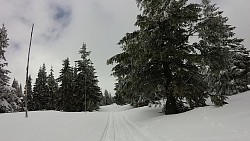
(15, 84)
(18, 87)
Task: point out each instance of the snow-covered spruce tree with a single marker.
(158, 59)
(86, 81)
(18, 92)
(9, 102)
(65, 99)
(4, 79)
(241, 71)
(53, 90)
(223, 54)
(40, 90)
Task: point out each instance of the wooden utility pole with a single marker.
(27, 74)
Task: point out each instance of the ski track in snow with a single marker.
(120, 128)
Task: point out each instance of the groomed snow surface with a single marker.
(123, 123)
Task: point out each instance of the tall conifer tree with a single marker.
(87, 82)
(66, 100)
(4, 79)
(158, 59)
(41, 91)
(52, 89)
(8, 95)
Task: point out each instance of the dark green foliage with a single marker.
(86, 82)
(220, 52)
(28, 91)
(107, 98)
(52, 90)
(79, 84)
(18, 88)
(160, 61)
(9, 100)
(15, 84)
(20, 91)
(76, 84)
(4, 79)
(41, 90)
(65, 98)
(119, 97)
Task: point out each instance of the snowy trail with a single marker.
(120, 128)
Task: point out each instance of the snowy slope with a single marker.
(227, 123)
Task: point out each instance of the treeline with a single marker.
(76, 89)
(182, 52)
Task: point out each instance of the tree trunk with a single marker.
(171, 105)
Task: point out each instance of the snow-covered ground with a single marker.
(117, 123)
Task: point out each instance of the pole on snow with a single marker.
(27, 74)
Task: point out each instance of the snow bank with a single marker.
(228, 123)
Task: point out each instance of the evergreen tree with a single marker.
(120, 96)
(157, 58)
(41, 90)
(107, 98)
(220, 51)
(53, 89)
(18, 87)
(9, 102)
(159, 61)
(15, 84)
(4, 79)
(20, 91)
(65, 100)
(86, 81)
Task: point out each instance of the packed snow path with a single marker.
(120, 128)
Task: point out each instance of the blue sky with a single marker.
(62, 25)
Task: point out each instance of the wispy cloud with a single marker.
(60, 17)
